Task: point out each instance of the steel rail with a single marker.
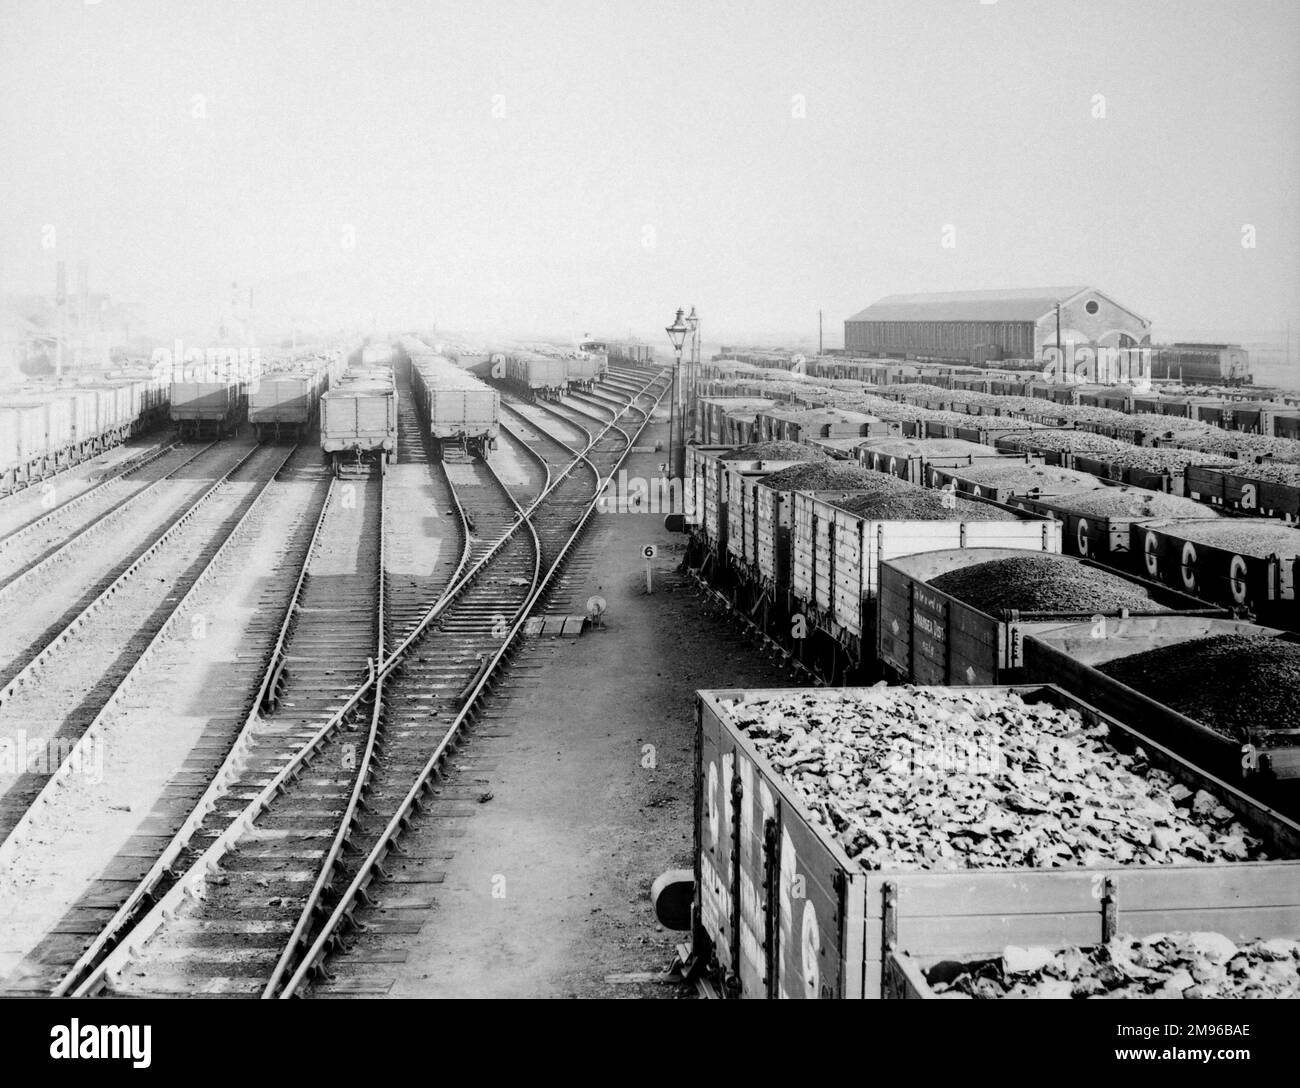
(9, 845)
(325, 878)
(191, 883)
(372, 865)
(24, 674)
(222, 779)
(125, 469)
(194, 875)
(70, 542)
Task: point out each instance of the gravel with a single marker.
(774, 451)
(951, 778)
(1043, 583)
(921, 505)
(1162, 965)
(824, 475)
(1135, 502)
(1230, 683)
(1256, 537)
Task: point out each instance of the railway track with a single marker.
(435, 669)
(280, 858)
(74, 526)
(21, 512)
(557, 533)
(63, 692)
(189, 703)
(114, 461)
(71, 582)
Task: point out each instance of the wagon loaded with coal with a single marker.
(977, 842)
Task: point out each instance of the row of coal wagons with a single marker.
(1250, 564)
(803, 557)
(458, 410)
(855, 598)
(46, 427)
(358, 420)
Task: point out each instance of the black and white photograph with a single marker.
(606, 501)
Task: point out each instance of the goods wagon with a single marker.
(457, 408)
(1239, 731)
(724, 421)
(779, 425)
(206, 409)
(1096, 524)
(24, 441)
(710, 469)
(1003, 479)
(1238, 562)
(589, 365)
(980, 429)
(974, 632)
(708, 488)
(789, 905)
(1272, 490)
(631, 354)
(543, 376)
(841, 449)
(1287, 425)
(285, 404)
(916, 459)
(836, 552)
(359, 423)
(1252, 417)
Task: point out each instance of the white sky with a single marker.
(671, 122)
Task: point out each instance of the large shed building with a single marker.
(978, 326)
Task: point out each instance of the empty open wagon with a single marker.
(359, 424)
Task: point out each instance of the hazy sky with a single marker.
(587, 166)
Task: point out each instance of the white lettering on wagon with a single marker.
(1237, 579)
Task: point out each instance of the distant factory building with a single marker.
(983, 326)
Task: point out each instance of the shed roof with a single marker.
(1014, 304)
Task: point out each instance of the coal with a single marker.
(927, 447)
(1036, 582)
(1231, 683)
(1161, 965)
(827, 474)
(1023, 478)
(1166, 459)
(1063, 441)
(1135, 502)
(1257, 537)
(921, 504)
(774, 451)
(966, 778)
(1274, 472)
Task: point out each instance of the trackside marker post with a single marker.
(648, 552)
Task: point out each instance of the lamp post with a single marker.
(689, 403)
(676, 461)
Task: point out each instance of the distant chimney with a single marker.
(83, 293)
